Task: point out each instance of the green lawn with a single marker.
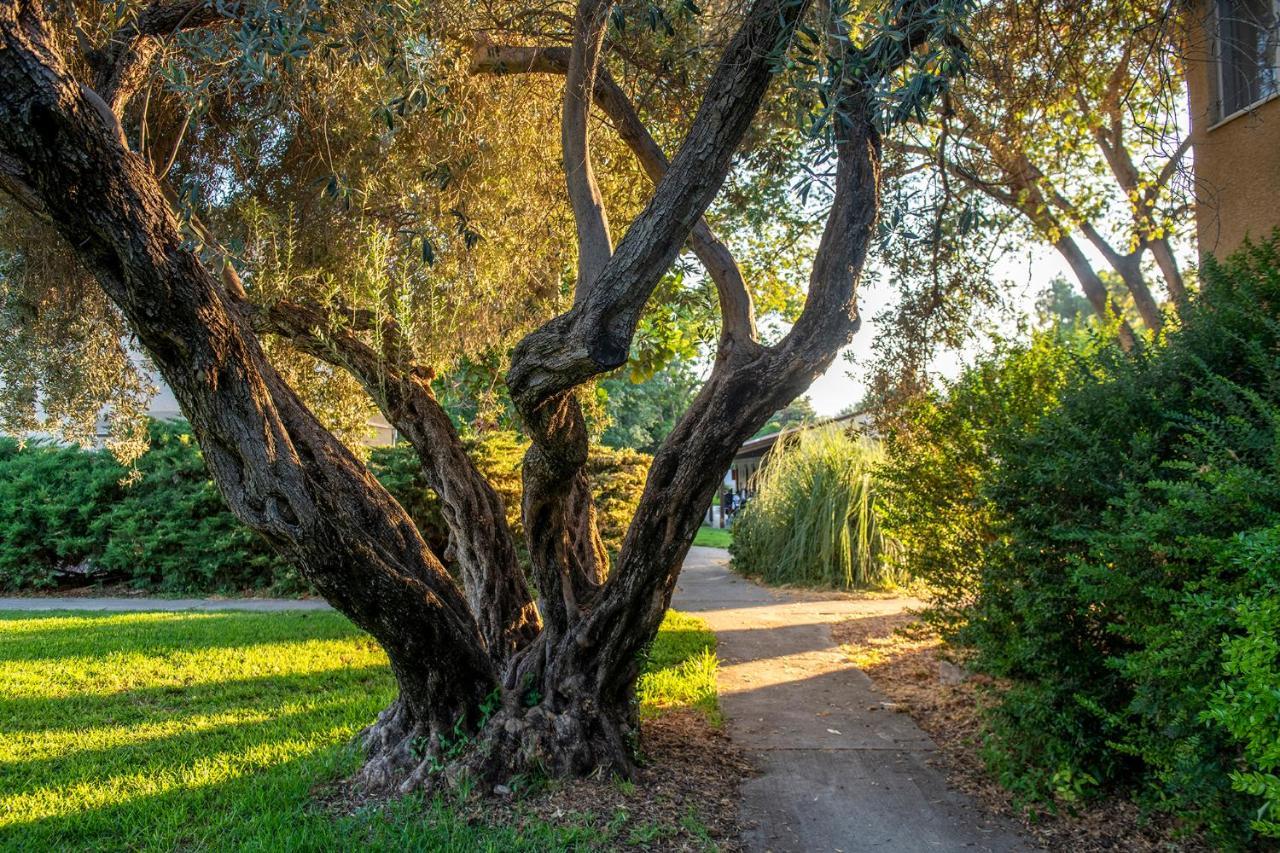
(212, 731)
(713, 537)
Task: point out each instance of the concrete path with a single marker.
(133, 605)
(839, 769)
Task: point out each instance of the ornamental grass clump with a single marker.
(813, 520)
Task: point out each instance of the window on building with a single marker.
(1248, 53)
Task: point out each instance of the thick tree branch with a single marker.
(743, 391)
(280, 471)
(595, 336)
(16, 183)
(592, 222)
(480, 539)
(121, 65)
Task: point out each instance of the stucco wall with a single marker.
(1237, 161)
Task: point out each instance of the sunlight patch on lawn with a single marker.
(161, 731)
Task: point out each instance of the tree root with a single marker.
(403, 756)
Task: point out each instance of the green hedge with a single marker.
(1124, 571)
(163, 527)
(617, 479)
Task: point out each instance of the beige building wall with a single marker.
(1237, 156)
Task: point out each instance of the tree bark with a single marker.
(280, 471)
(479, 535)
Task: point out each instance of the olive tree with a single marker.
(543, 684)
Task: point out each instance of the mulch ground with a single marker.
(684, 798)
(909, 663)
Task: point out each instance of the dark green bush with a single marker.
(49, 497)
(162, 526)
(1135, 564)
(941, 448)
(66, 512)
(617, 479)
(171, 531)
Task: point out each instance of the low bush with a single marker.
(163, 526)
(814, 519)
(616, 476)
(68, 513)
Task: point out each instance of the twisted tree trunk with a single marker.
(471, 666)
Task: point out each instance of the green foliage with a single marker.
(160, 526)
(644, 409)
(941, 446)
(815, 517)
(1248, 702)
(172, 531)
(215, 731)
(1125, 578)
(617, 479)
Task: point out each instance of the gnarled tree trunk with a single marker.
(554, 694)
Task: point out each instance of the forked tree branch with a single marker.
(741, 393)
(595, 336)
(736, 309)
(480, 539)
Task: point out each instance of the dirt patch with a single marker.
(909, 663)
(685, 796)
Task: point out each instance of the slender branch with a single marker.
(177, 144)
(594, 244)
(736, 309)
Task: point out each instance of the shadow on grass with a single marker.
(231, 749)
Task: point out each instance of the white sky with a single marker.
(1029, 273)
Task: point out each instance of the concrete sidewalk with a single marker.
(839, 769)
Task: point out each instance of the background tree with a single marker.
(1066, 133)
(202, 260)
(642, 414)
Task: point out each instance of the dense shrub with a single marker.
(1126, 582)
(617, 479)
(161, 526)
(67, 512)
(814, 519)
(941, 448)
(49, 497)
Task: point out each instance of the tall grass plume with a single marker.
(813, 520)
